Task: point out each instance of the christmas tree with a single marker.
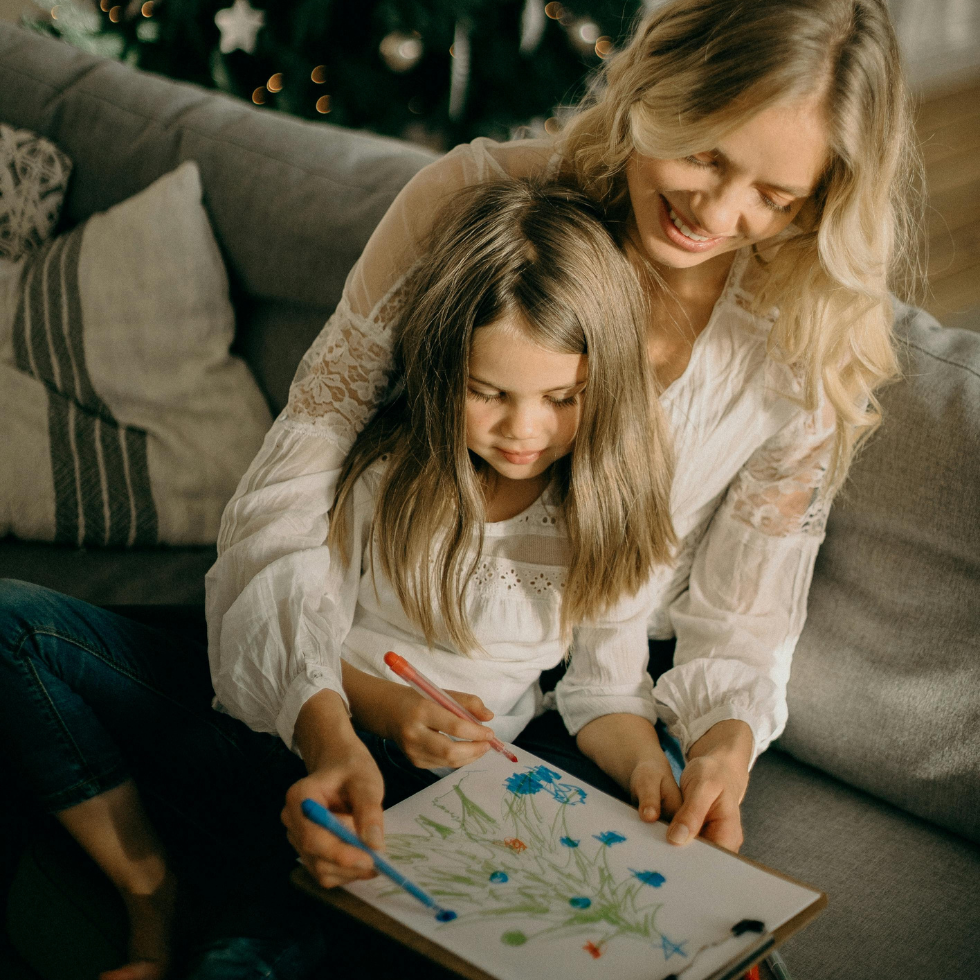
(438, 71)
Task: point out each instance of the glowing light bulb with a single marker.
(401, 52)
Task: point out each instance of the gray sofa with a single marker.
(873, 794)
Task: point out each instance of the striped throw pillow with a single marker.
(126, 419)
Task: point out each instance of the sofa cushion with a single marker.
(33, 179)
(126, 419)
(901, 893)
(885, 688)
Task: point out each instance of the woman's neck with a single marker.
(681, 304)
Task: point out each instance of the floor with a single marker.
(949, 130)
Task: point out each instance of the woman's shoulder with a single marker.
(484, 159)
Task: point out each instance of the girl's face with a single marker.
(523, 402)
(746, 189)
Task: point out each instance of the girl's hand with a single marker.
(342, 777)
(712, 786)
(653, 788)
(416, 725)
(626, 747)
(420, 728)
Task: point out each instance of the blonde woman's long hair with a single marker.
(697, 69)
(539, 255)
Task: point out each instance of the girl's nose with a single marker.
(520, 423)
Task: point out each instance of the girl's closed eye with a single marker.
(486, 396)
(567, 402)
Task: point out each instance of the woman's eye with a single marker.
(700, 161)
(773, 206)
(484, 397)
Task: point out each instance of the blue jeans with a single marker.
(89, 698)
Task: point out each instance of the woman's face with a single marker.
(746, 189)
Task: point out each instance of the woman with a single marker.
(757, 162)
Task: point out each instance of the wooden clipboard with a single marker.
(349, 904)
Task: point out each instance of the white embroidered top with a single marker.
(512, 604)
(747, 501)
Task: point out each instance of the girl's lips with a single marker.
(677, 237)
(520, 459)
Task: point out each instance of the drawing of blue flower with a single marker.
(499, 877)
(609, 837)
(568, 842)
(580, 902)
(523, 783)
(653, 878)
(546, 775)
(568, 794)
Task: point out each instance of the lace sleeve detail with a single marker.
(345, 373)
(782, 488)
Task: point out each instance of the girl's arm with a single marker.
(606, 700)
(626, 748)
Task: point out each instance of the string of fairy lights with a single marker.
(244, 30)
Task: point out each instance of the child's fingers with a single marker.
(472, 704)
(429, 749)
(442, 720)
(655, 792)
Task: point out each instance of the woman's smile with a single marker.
(677, 230)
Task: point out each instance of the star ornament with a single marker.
(239, 25)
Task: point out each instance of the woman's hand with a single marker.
(416, 725)
(342, 777)
(626, 747)
(713, 784)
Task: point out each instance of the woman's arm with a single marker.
(738, 621)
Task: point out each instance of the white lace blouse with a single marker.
(748, 499)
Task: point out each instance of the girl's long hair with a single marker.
(539, 255)
(697, 69)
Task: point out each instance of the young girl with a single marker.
(512, 499)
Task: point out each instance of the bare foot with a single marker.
(151, 919)
(137, 970)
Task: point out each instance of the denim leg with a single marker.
(89, 698)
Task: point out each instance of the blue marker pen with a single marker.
(322, 816)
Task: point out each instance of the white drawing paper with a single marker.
(552, 879)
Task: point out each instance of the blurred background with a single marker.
(440, 72)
